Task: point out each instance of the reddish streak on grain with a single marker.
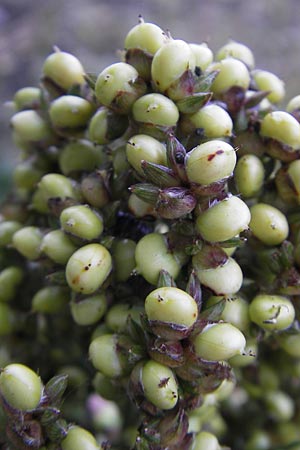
(218, 152)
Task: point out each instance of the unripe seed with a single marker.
(26, 175)
(233, 73)
(272, 312)
(117, 316)
(293, 105)
(159, 385)
(202, 54)
(116, 80)
(268, 224)
(27, 241)
(283, 127)
(94, 189)
(290, 344)
(224, 220)
(155, 109)
(146, 36)
(205, 440)
(10, 278)
(82, 222)
(78, 438)
(28, 126)
(210, 162)
(178, 57)
(267, 81)
(58, 246)
(143, 147)
(153, 255)
(106, 126)
(7, 319)
(20, 387)
(236, 50)
(235, 310)
(280, 405)
(219, 341)
(27, 98)
(106, 357)
(171, 305)
(70, 111)
(79, 156)
(88, 268)
(224, 279)
(249, 175)
(7, 230)
(64, 69)
(50, 299)
(213, 121)
(123, 253)
(89, 310)
(53, 185)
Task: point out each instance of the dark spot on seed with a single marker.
(163, 382)
(86, 268)
(211, 157)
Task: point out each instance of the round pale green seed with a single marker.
(143, 147)
(232, 73)
(213, 120)
(205, 440)
(236, 310)
(116, 78)
(268, 224)
(58, 246)
(81, 221)
(64, 69)
(88, 268)
(105, 355)
(280, 405)
(79, 438)
(159, 385)
(27, 241)
(7, 319)
(290, 344)
(79, 156)
(268, 81)
(20, 387)
(236, 50)
(210, 162)
(155, 109)
(29, 126)
(123, 253)
(89, 310)
(224, 220)
(106, 126)
(202, 54)
(117, 316)
(50, 299)
(7, 230)
(223, 279)
(70, 111)
(145, 36)
(219, 341)
(293, 104)
(152, 255)
(175, 55)
(27, 98)
(282, 127)
(171, 305)
(272, 312)
(249, 175)
(10, 278)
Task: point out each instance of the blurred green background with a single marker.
(94, 30)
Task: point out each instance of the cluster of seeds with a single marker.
(150, 251)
